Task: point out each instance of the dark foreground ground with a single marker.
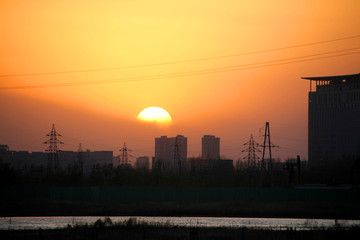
(176, 201)
(149, 233)
(324, 210)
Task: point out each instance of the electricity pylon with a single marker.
(52, 149)
(269, 145)
(252, 159)
(124, 155)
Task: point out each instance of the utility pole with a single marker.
(52, 149)
(269, 145)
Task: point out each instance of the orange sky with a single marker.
(57, 36)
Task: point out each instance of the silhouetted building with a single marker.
(198, 164)
(221, 166)
(116, 161)
(24, 161)
(91, 159)
(334, 118)
(4, 148)
(170, 153)
(210, 147)
(224, 166)
(142, 163)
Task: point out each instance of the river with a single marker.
(32, 223)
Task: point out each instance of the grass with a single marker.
(134, 228)
(134, 222)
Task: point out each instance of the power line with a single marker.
(279, 60)
(180, 61)
(184, 74)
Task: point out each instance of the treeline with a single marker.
(107, 175)
(346, 171)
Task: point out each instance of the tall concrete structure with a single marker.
(334, 118)
(170, 153)
(210, 147)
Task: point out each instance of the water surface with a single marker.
(32, 223)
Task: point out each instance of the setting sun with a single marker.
(155, 114)
(222, 69)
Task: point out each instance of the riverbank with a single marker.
(132, 229)
(324, 210)
(184, 201)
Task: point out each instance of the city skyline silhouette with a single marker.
(91, 68)
(161, 119)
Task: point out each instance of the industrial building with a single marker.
(210, 147)
(170, 153)
(334, 118)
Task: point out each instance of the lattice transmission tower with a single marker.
(252, 149)
(124, 156)
(52, 149)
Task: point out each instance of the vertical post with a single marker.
(270, 160)
(262, 170)
(266, 137)
(268, 130)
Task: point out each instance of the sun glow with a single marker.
(155, 114)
